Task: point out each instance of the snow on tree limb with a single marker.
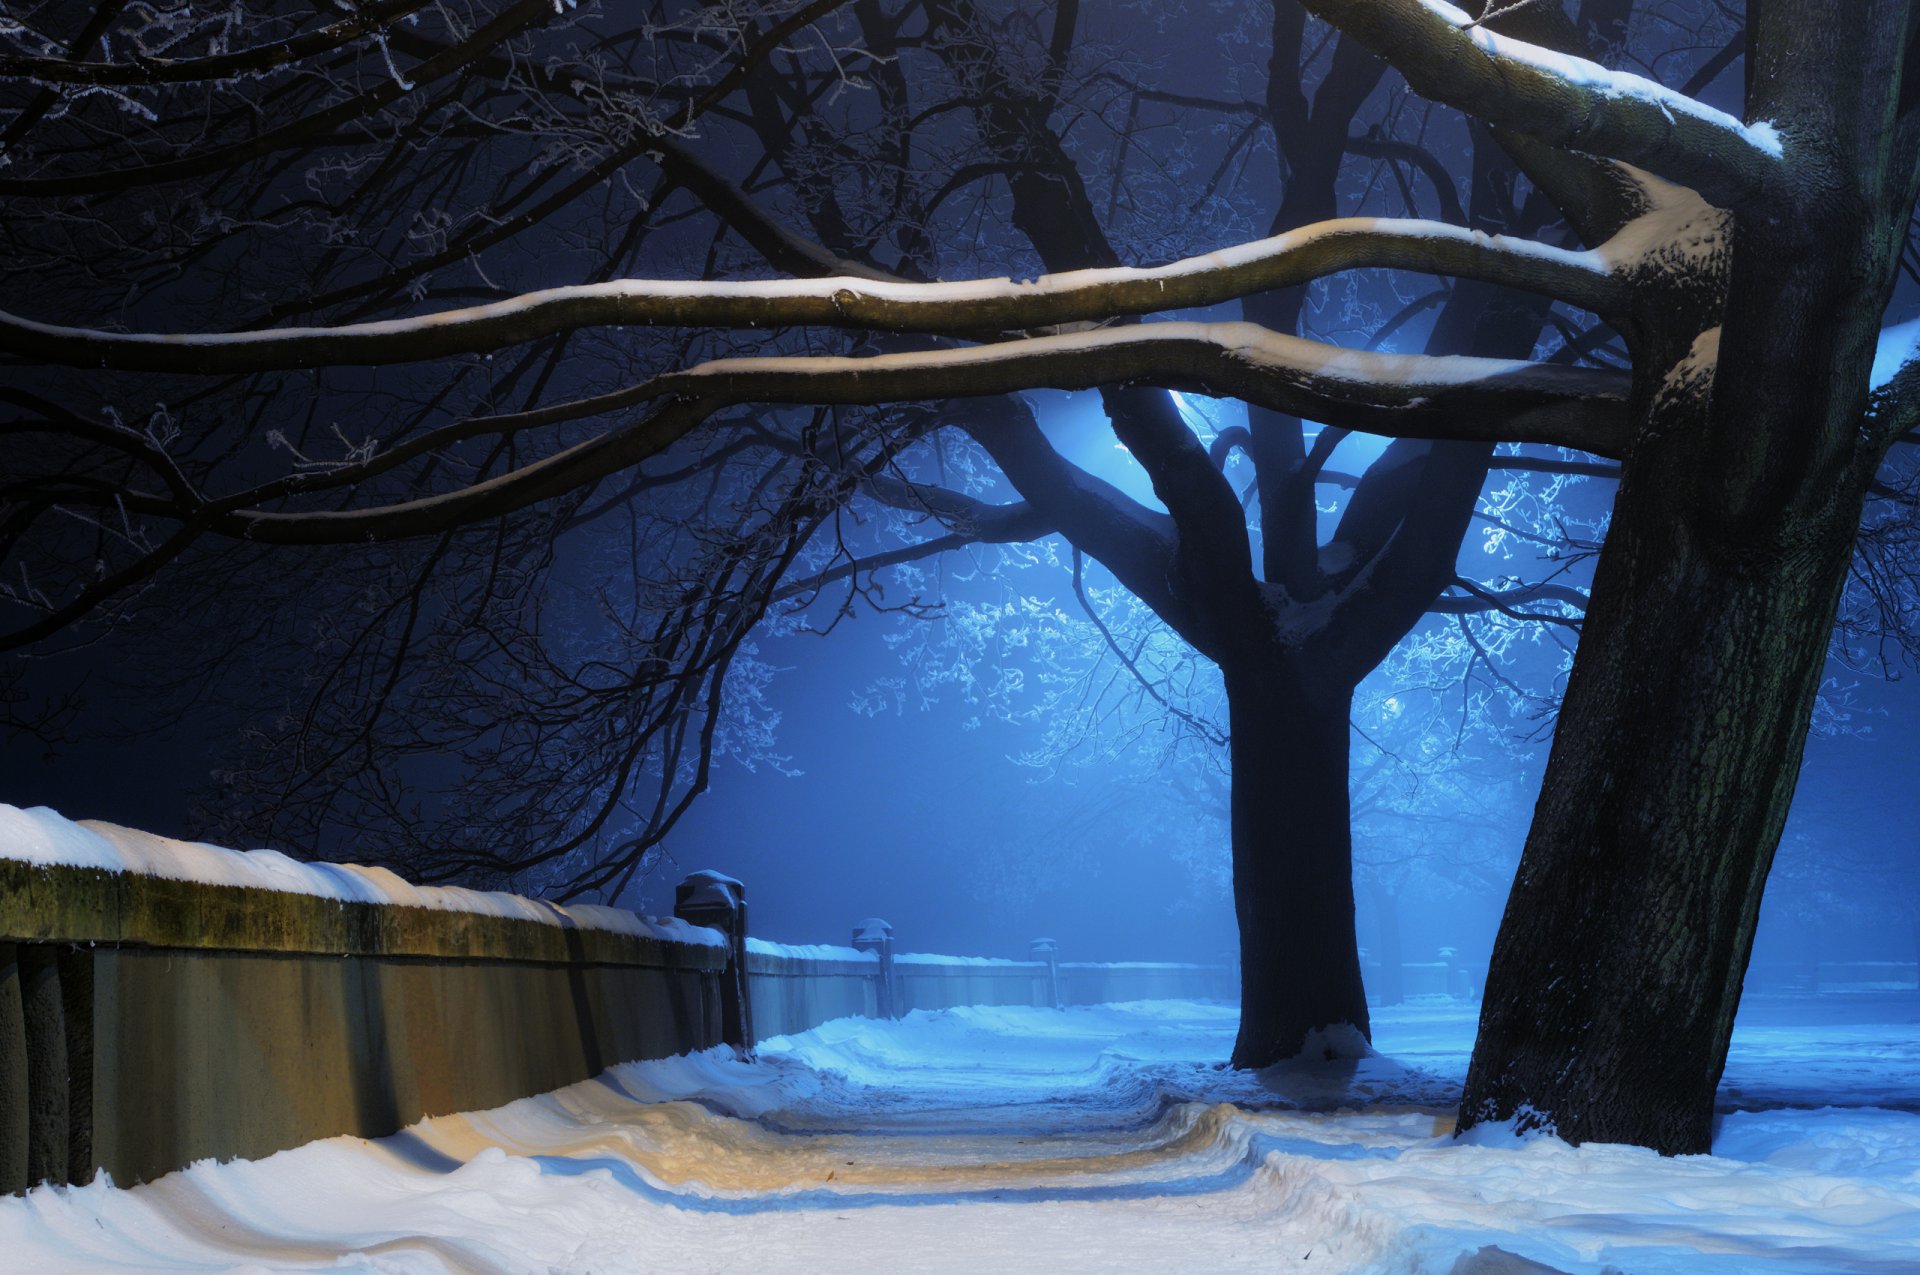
(1396, 395)
(1589, 280)
(1415, 396)
(1564, 101)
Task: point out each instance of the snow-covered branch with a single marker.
(1396, 395)
(304, 131)
(1589, 280)
(1565, 101)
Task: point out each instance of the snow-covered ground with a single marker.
(1095, 1139)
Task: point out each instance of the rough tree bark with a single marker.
(1620, 959)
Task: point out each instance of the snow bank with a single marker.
(44, 837)
(1088, 1140)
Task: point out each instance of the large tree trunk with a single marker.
(1620, 959)
(1292, 863)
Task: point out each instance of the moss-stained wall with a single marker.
(85, 905)
(242, 1054)
(146, 1023)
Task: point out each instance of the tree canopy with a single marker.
(475, 297)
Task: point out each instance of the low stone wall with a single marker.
(1814, 977)
(146, 1023)
(793, 993)
(1099, 984)
(930, 983)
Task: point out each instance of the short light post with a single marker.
(716, 900)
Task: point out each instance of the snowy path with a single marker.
(1096, 1139)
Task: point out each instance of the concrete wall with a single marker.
(242, 1054)
(1807, 977)
(925, 985)
(146, 1023)
(791, 994)
(1093, 984)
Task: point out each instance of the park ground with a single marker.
(1104, 1138)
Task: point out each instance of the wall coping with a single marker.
(90, 881)
(59, 904)
(1143, 965)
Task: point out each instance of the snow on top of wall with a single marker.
(1135, 965)
(44, 837)
(829, 952)
(809, 951)
(929, 958)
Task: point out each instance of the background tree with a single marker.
(649, 699)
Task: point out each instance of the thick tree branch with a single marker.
(1565, 101)
(1135, 543)
(1584, 279)
(1397, 395)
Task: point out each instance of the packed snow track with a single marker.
(1094, 1139)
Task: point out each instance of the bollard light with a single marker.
(719, 901)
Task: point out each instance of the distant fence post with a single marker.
(1047, 950)
(876, 936)
(717, 900)
(1459, 978)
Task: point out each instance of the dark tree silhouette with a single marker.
(1293, 633)
(1745, 265)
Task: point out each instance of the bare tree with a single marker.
(1293, 633)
